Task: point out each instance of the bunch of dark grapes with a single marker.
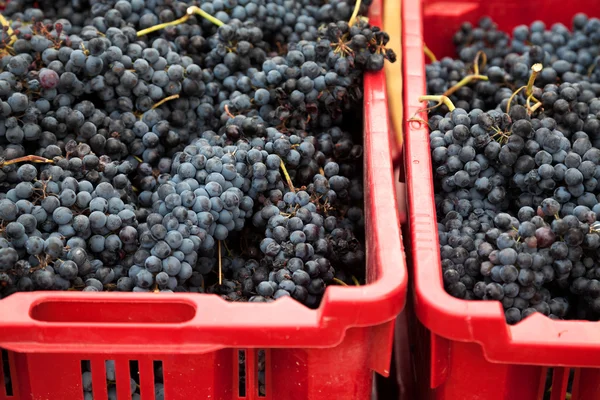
(169, 146)
(516, 167)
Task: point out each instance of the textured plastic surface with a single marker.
(471, 353)
(310, 354)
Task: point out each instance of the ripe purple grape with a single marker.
(49, 79)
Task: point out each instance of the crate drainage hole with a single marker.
(111, 379)
(241, 373)
(159, 382)
(134, 372)
(570, 384)
(548, 385)
(86, 379)
(260, 377)
(5, 367)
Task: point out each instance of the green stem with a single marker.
(355, 13)
(441, 100)
(535, 70)
(464, 82)
(158, 27)
(190, 11)
(197, 10)
(429, 53)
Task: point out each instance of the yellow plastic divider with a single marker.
(392, 24)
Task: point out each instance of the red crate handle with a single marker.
(537, 339)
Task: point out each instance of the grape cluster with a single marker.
(169, 146)
(305, 243)
(50, 214)
(516, 167)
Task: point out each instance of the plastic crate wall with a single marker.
(464, 349)
(290, 374)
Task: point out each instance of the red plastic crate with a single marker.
(328, 353)
(465, 349)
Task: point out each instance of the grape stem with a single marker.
(355, 13)
(531, 108)
(443, 99)
(9, 31)
(591, 70)
(512, 97)
(429, 53)
(356, 282)
(418, 120)
(163, 101)
(535, 70)
(197, 10)
(220, 264)
(85, 51)
(464, 82)
(190, 11)
(500, 135)
(476, 66)
(340, 282)
(287, 177)
(33, 159)
(229, 253)
(158, 27)
(229, 114)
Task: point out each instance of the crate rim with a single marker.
(220, 324)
